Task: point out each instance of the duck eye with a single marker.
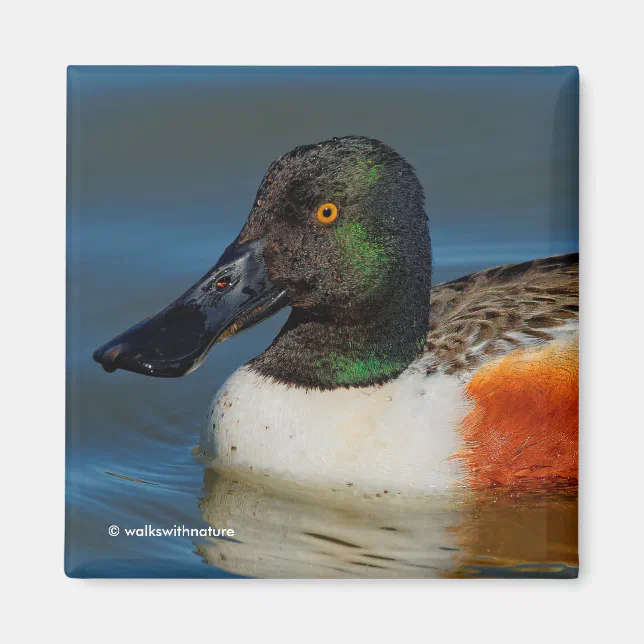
(327, 213)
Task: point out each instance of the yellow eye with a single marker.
(327, 213)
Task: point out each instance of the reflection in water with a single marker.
(284, 530)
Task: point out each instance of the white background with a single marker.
(39, 39)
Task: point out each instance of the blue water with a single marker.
(162, 172)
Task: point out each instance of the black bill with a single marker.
(234, 295)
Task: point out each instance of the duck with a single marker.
(377, 380)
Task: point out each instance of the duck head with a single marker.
(339, 233)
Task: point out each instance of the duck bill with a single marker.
(234, 295)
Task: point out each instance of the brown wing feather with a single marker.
(493, 311)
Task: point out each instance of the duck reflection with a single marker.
(286, 530)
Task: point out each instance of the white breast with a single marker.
(399, 437)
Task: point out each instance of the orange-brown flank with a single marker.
(523, 426)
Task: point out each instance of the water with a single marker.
(163, 167)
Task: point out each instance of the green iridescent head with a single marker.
(338, 232)
(343, 225)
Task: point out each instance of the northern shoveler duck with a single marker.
(376, 379)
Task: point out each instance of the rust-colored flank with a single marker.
(523, 425)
